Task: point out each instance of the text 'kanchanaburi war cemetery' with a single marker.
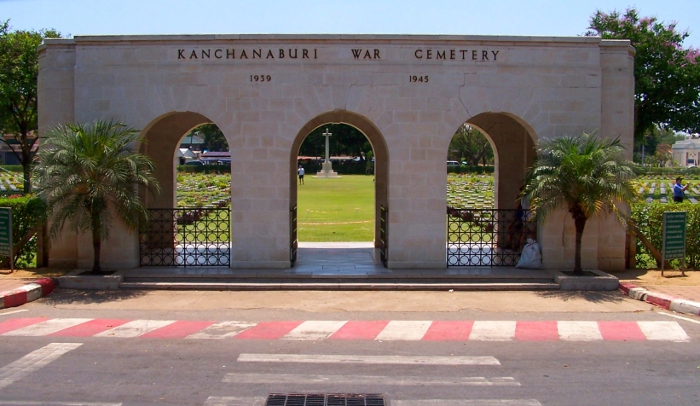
(407, 94)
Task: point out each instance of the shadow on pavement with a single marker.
(589, 296)
(72, 296)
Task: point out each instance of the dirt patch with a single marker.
(649, 277)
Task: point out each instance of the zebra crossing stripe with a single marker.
(449, 331)
(621, 331)
(47, 327)
(359, 330)
(314, 330)
(579, 331)
(404, 330)
(90, 328)
(179, 329)
(273, 330)
(663, 330)
(368, 359)
(467, 402)
(33, 362)
(134, 328)
(493, 331)
(536, 331)
(301, 379)
(14, 324)
(219, 331)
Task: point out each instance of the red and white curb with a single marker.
(373, 330)
(667, 302)
(27, 293)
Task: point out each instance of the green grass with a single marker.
(341, 209)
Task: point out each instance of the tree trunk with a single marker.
(580, 223)
(96, 244)
(27, 169)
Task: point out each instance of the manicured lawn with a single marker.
(336, 209)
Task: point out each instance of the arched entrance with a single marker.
(492, 234)
(195, 232)
(381, 173)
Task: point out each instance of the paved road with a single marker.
(129, 349)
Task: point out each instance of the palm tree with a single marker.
(86, 172)
(585, 174)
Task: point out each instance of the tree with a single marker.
(586, 175)
(214, 139)
(86, 172)
(19, 69)
(667, 76)
(471, 144)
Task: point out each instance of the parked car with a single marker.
(452, 164)
(194, 163)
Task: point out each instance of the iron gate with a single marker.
(293, 238)
(383, 235)
(487, 237)
(187, 237)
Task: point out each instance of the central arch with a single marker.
(381, 164)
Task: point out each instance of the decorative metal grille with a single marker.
(187, 237)
(487, 237)
(321, 399)
(293, 239)
(383, 228)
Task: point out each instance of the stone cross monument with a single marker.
(327, 167)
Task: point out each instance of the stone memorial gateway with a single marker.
(407, 94)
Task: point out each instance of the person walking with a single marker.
(300, 171)
(678, 190)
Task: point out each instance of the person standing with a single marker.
(678, 190)
(300, 171)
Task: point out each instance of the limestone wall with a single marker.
(413, 91)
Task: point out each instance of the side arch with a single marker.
(514, 151)
(161, 138)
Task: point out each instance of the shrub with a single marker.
(650, 220)
(27, 212)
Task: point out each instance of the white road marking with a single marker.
(663, 330)
(33, 361)
(314, 330)
(222, 330)
(467, 402)
(234, 401)
(47, 327)
(368, 359)
(368, 380)
(13, 312)
(493, 331)
(579, 331)
(680, 317)
(404, 330)
(134, 328)
(55, 403)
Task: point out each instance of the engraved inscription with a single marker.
(260, 78)
(418, 79)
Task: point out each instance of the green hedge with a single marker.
(650, 219)
(204, 168)
(478, 169)
(13, 168)
(27, 211)
(670, 172)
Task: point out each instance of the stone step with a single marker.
(344, 285)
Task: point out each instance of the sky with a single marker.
(465, 17)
